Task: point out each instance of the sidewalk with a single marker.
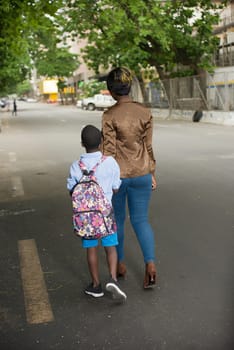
(214, 117)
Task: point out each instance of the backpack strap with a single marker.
(92, 171)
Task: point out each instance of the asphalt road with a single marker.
(192, 213)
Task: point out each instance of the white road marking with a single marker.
(37, 305)
(17, 186)
(6, 212)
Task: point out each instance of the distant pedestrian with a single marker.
(14, 110)
(107, 175)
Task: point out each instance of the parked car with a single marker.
(79, 104)
(5, 103)
(31, 100)
(2, 103)
(98, 101)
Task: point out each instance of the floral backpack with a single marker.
(93, 216)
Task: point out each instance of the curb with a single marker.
(213, 117)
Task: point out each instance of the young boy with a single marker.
(108, 177)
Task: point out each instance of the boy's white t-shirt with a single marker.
(107, 173)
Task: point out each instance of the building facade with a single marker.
(225, 31)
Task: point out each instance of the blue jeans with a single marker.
(136, 192)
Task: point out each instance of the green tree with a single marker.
(20, 20)
(163, 34)
(24, 88)
(50, 55)
(56, 62)
(91, 88)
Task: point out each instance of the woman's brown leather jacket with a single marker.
(127, 129)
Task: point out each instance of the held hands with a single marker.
(154, 182)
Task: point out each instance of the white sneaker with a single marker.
(114, 288)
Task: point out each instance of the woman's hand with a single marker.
(154, 182)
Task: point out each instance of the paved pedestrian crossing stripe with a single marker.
(37, 305)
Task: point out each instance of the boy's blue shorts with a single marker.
(108, 241)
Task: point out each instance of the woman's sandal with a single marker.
(150, 275)
(121, 270)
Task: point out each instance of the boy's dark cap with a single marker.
(91, 137)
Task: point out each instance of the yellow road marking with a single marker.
(37, 305)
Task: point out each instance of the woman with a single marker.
(127, 136)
